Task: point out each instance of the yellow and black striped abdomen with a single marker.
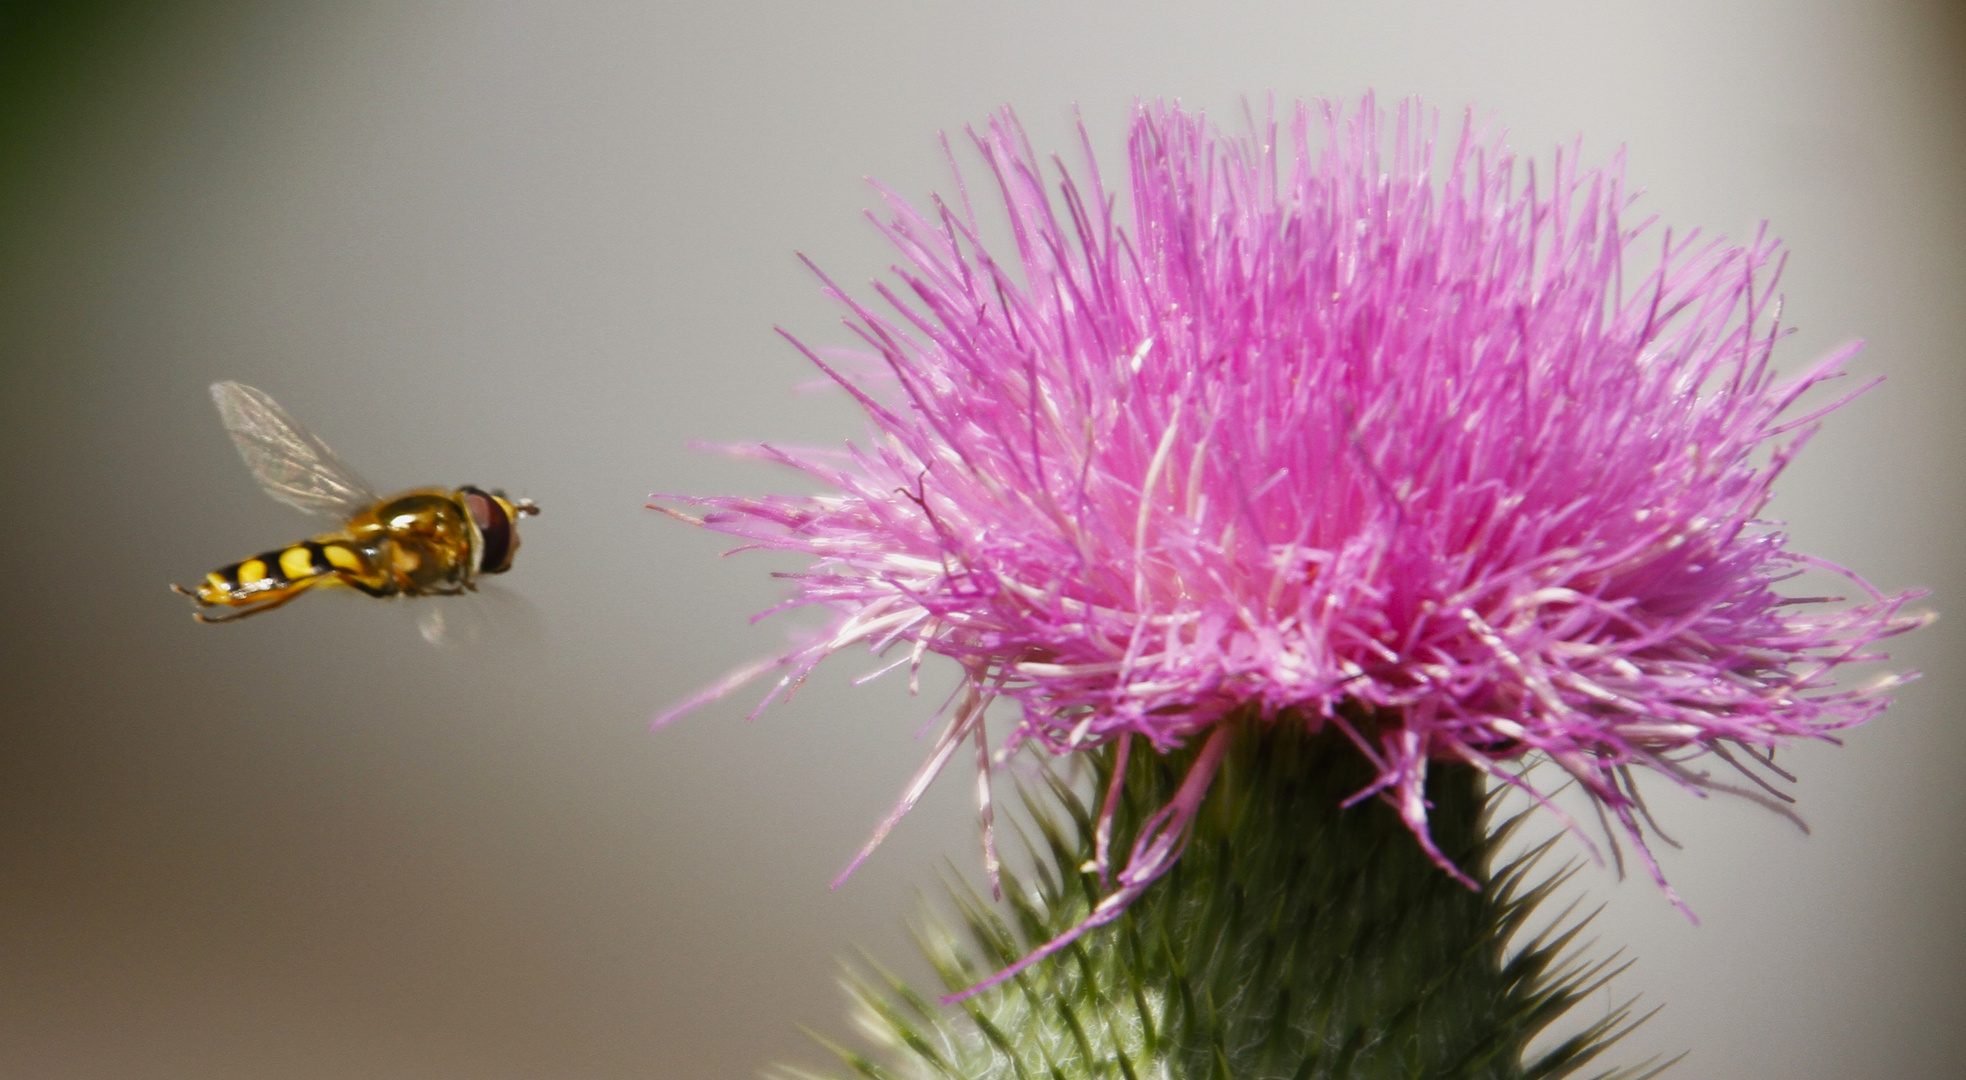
(276, 576)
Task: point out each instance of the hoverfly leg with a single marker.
(373, 585)
(278, 601)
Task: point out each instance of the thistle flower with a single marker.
(1320, 438)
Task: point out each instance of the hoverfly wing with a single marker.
(291, 463)
(489, 621)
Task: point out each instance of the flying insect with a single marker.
(423, 542)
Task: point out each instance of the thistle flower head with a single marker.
(1316, 428)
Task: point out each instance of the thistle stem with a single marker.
(1292, 939)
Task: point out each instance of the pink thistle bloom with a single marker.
(1319, 438)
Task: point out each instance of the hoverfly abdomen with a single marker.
(272, 578)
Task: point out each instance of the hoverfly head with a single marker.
(497, 521)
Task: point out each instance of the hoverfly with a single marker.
(425, 542)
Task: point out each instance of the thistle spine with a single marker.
(1294, 940)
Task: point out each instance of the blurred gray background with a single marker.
(543, 246)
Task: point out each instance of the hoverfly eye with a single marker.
(495, 526)
(483, 510)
